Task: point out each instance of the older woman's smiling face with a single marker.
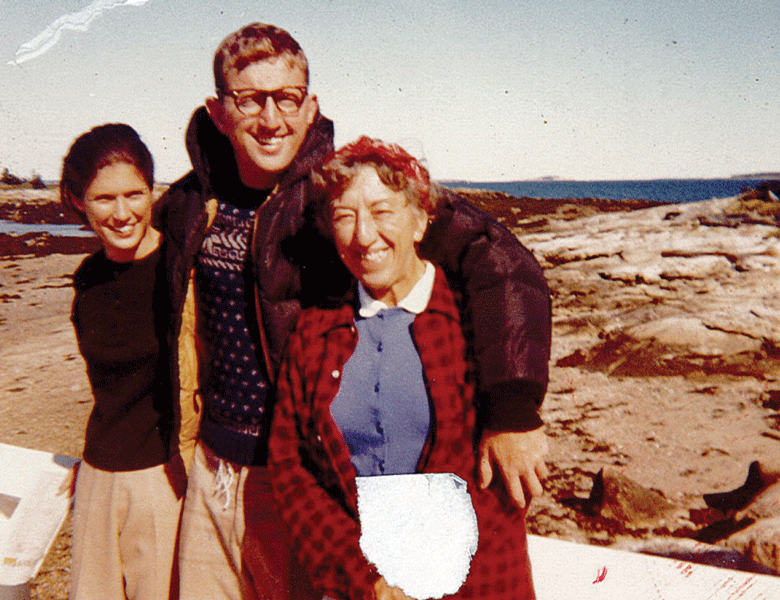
(376, 229)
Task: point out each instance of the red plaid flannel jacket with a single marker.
(314, 480)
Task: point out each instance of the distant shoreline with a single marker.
(757, 176)
(675, 191)
(557, 179)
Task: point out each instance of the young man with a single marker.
(246, 256)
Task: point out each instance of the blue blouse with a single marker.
(382, 407)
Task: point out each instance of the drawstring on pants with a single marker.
(224, 481)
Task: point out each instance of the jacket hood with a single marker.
(213, 160)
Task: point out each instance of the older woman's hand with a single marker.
(385, 591)
(520, 459)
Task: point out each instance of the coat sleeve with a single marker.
(324, 534)
(506, 307)
(180, 215)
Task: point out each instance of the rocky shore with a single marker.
(665, 378)
(665, 375)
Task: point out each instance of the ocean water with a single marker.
(665, 190)
(11, 228)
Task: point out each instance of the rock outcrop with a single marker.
(746, 536)
(615, 496)
(754, 510)
(666, 369)
(673, 294)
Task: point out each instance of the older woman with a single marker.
(378, 385)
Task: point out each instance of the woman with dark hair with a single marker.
(131, 481)
(379, 385)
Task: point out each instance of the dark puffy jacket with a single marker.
(504, 296)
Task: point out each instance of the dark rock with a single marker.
(9, 178)
(618, 497)
(768, 191)
(37, 183)
(43, 244)
(760, 542)
(695, 552)
(739, 498)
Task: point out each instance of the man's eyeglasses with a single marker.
(250, 103)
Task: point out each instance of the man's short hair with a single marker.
(253, 43)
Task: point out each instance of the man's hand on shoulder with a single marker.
(519, 457)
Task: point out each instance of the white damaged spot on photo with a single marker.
(419, 530)
(77, 21)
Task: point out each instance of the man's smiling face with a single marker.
(266, 143)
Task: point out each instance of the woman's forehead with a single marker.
(366, 188)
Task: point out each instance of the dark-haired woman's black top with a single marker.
(120, 313)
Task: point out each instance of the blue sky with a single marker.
(485, 89)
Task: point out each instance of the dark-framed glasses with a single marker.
(250, 103)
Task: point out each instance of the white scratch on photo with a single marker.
(77, 21)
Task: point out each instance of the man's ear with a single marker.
(216, 111)
(312, 108)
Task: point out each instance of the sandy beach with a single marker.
(664, 364)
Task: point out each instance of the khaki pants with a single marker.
(124, 534)
(233, 545)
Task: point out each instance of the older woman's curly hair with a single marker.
(397, 169)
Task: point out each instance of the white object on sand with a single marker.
(31, 513)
